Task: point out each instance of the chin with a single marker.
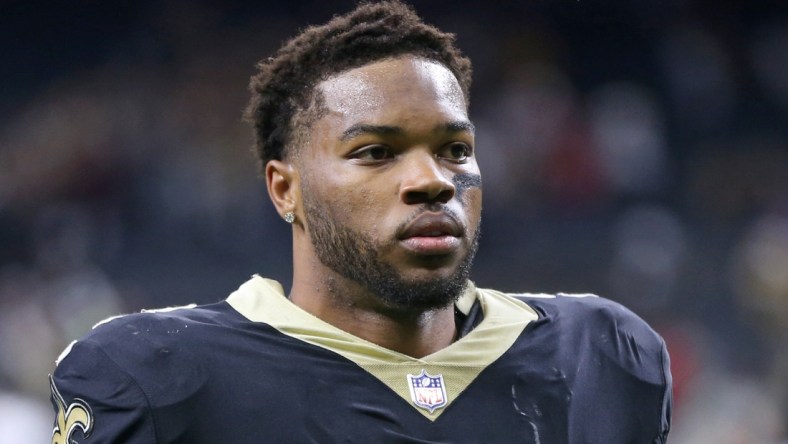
(426, 290)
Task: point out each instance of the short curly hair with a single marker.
(283, 89)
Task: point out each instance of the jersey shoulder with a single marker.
(617, 356)
(145, 338)
(106, 384)
(589, 312)
(600, 330)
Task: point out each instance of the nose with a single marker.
(424, 180)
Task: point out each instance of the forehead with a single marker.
(392, 87)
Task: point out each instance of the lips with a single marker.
(432, 234)
(432, 225)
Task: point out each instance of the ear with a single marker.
(281, 178)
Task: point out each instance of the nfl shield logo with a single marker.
(427, 391)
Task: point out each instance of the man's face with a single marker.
(390, 186)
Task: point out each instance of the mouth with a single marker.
(432, 234)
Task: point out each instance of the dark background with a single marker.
(634, 149)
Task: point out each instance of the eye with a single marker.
(457, 152)
(372, 153)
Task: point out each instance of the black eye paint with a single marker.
(465, 181)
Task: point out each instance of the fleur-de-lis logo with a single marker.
(76, 415)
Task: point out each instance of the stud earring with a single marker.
(290, 217)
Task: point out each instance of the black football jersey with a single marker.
(255, 368)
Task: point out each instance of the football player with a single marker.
(363, 133)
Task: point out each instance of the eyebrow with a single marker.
(387, 130)
(363, 128)
(457, 126)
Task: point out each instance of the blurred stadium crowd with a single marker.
(634, 149)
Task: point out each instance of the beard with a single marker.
(357, 257)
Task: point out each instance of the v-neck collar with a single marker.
(457, 365)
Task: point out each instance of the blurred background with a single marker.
(634, 149)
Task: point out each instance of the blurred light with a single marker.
(649, 245)
(525, 121)
(24, 420)
(628, 133)
(760, 269)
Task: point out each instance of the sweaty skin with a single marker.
(388, 200)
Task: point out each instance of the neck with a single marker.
(348, 306)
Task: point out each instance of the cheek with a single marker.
(374, 211)
(368, 209)
(472, 200)
(357, 209)
(350, 204)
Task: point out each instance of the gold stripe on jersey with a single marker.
(263, 300)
